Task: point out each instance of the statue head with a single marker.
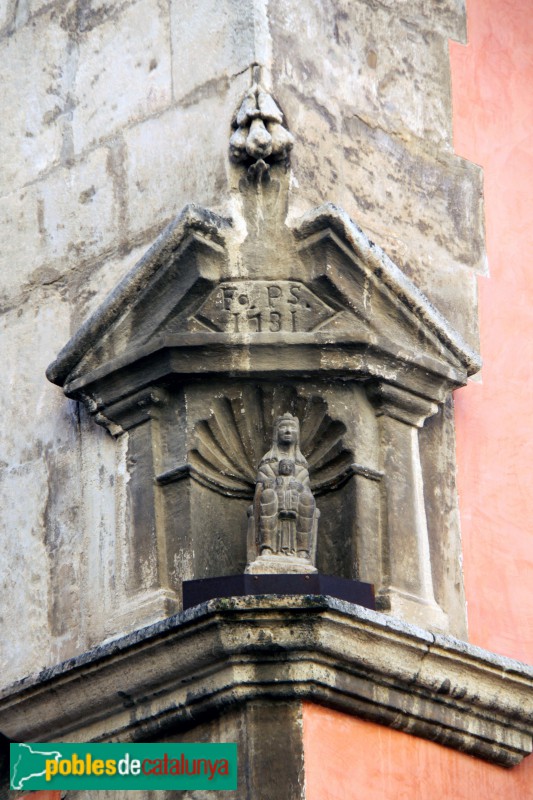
(286, 466)
(286, 443)
(287, 430)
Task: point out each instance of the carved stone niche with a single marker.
(209, 338)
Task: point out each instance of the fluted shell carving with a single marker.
(260, 137)
(232, 441)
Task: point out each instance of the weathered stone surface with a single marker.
(103, 522)
(123, 71)
(392, 310)
(157, 149)
(378, 142)
(50, 225)
(20, 212)
(270, 745)
(213, 43)
(88, 288)
(396, 73)
(406, 180)
(80, 214)
(62, 527)
(36, 422)
(25, 589)
(220, 654)
(448, 18)
(33, 94)
(6, 12)
(437, 453)
(366, 137)
(425, 210)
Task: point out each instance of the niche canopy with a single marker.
(213, 336)
(210, 338)
(341, 309)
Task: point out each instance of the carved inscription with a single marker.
(263, 307)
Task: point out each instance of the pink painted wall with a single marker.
(492, 82)
(346, 758)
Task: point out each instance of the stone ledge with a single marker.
(223, 652)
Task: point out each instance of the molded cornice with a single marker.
(225, 652)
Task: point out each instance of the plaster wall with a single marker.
(348, 758)
(493, 116)
(116, 116)
(492, 78)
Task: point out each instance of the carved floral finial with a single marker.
(260, 138)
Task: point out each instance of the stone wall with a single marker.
(116, 116)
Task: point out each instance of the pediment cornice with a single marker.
(196, 304)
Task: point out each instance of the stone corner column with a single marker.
(406, 589)
(144, 592)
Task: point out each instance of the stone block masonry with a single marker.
(114, 118)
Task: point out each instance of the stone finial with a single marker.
(260, 138)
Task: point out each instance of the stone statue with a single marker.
(283, 518)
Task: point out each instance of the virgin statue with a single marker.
(283, 518)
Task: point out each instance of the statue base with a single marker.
(280, 565)
(204, 589)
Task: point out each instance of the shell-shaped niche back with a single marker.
(237, 434)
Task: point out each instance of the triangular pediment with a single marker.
(344, 297)
(378, 301)
(164, 288)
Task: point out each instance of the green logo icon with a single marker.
(123, 766)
